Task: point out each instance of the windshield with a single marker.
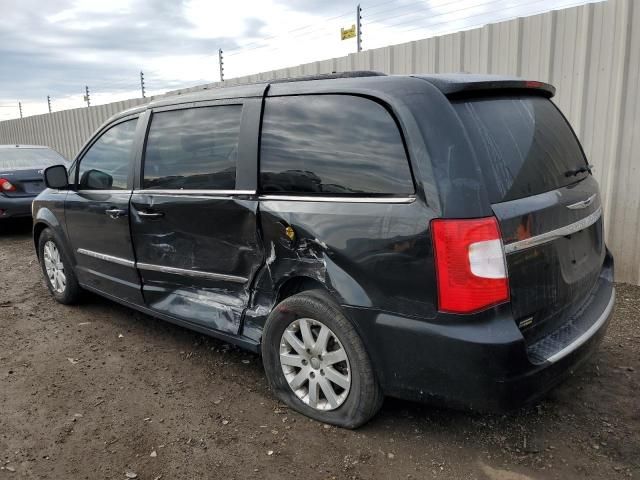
(523, 144)
(25, 158)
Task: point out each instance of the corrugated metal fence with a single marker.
(66, 131)
(590, 53)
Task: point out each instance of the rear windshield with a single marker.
(24, 158)
(523, 144)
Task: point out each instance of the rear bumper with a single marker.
(12, 207)
(482, 364)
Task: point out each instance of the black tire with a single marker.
(364, 397)
(72, 290)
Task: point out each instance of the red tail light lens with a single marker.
(470, 264)
(6, 185)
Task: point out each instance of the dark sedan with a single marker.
(21, 168)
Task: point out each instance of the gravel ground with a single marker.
(99, 391)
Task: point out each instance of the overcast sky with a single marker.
(56, 47)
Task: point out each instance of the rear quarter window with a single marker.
(523, 144)
(331, 144)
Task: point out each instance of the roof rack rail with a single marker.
(329, 76)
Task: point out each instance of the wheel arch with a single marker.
(44, 219)
(38, 228)
(267, 296)
(298, 284)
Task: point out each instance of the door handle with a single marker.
(144, 214)
(115, 212)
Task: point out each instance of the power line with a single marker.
(325, 30)
(420, 27)
(273, 48)
(369, 7)
(377, 14)
(414, 11)
(288, 33)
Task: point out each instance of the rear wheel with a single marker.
(316, 362)
(56, 267)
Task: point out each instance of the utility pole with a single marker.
(49, 102)
(142, 83)
(221, 64)
(87, 98)
(359, 27)
(20, 108)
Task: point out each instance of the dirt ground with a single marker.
(99, 391)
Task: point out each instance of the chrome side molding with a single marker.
(310, 198)
(161, 268)
(190, 273)
(181, 192)
(107, 258)
(575, 227)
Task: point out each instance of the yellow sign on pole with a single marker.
(347, 33)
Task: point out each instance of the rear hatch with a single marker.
(23, 168)
(547, 204)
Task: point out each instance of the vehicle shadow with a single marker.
(15, 227)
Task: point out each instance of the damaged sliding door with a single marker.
(193, 227)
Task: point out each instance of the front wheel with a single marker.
(317, 364)
(56, 267)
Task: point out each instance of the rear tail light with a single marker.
(470, 264)
(6, 185)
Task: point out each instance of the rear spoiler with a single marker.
(460, 85)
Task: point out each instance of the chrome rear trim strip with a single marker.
(301, 198)
(107, 258)
(190, 273)
(586, 335)
(570, 229)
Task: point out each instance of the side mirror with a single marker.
(56, 177)
(96, 180)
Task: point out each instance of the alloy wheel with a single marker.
(315, 364)
(54, 267)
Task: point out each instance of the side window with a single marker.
(105, 166)
(191, 149)
(332, 144)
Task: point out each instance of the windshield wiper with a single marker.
(579, 170)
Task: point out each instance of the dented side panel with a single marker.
(370, 255)
(197, 260)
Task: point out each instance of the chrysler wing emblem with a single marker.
(584, 203)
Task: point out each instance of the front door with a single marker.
(194, 231)
(97, 214)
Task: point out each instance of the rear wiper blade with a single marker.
(579, 170)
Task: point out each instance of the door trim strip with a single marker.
(303, 198)
(161, 268)
(180, 192)
(570, 229)
(107, 258)
(190, 273)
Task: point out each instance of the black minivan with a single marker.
(434, 238)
